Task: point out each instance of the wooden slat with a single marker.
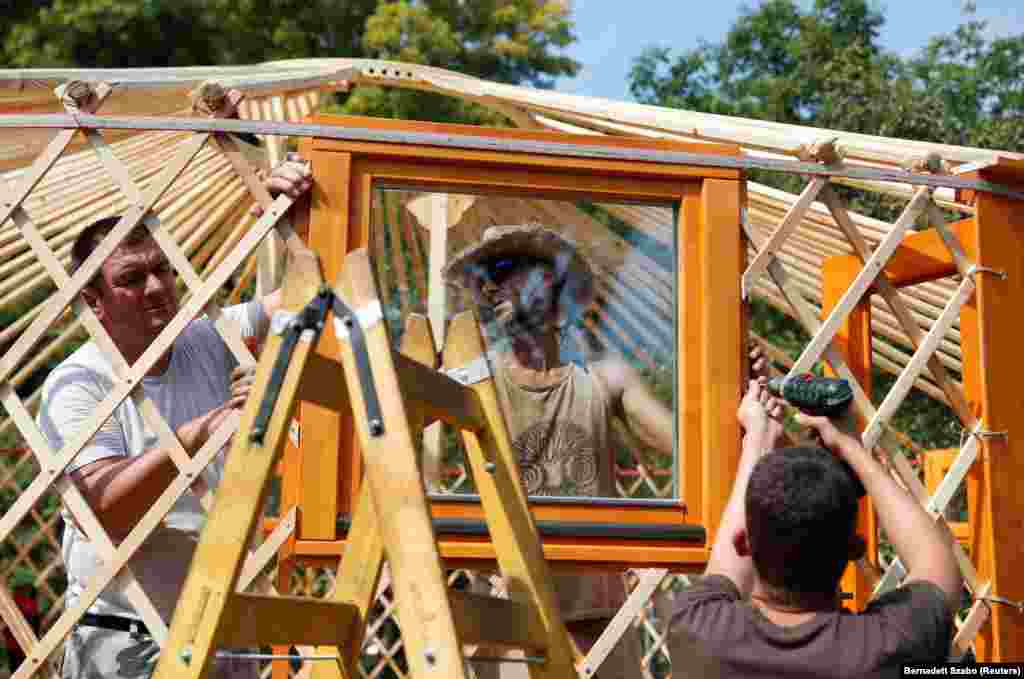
(437, 396)
(767, 250)
(420, 267)
(258, 560)
(115, 560)
(253, 620)
(418, 345)
(649, 580)
(378, 236)
(395, 254)
(872, 267)
(495, 622)
(924, 353)
(972, 624)
(356, 583)
(21, 630)
(65, 295)
(953, 394)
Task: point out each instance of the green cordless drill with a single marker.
(818, 396)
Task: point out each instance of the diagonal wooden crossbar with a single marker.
(823, 332)
(52, 463)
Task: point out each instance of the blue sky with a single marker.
(611, 33)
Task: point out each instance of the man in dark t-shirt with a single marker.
(768, 604)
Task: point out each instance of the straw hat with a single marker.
(468, 268)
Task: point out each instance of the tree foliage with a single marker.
(513, 41)
(824, 66)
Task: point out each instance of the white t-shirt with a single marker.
(196, 381)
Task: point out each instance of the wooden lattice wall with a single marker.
(970, 367)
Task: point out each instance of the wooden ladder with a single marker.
(386, 392)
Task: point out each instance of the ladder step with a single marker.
(491, 621)
(255, 619)
(439, 397)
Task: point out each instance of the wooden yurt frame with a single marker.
(880, 288)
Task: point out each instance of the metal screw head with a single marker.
(429, 656)
(489, 467)
(376, 427)
(186, 656)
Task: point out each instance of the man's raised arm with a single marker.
(923, 546)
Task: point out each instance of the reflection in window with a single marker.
(577, 305)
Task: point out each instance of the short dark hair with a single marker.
(801, 506)
(92, 235)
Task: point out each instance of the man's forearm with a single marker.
(648, 419)
(723, 558)
(121, 490)
(919, 541)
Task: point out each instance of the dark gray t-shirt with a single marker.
(908, 624)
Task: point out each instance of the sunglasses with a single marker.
(500, 268)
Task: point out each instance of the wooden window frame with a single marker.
(323, 472)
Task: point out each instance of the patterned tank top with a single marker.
(560, 433)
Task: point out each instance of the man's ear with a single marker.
(91, 297)
(856, 548)
(741, 542)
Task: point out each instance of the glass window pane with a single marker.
(576, 301)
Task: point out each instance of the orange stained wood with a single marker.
(326, 436)
(566, 554)
(689, 388)
(437, 155)
(853, 341)
(550, 182)
(722, 343)
(921, 257)
(709, 387)
(992, 353)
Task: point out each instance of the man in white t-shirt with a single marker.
(195, 386)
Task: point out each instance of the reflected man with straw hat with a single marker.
(530, 286)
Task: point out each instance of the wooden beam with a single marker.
(722, 343)
(853, 343)
(689, 332)
(999, 233)
(326, 440)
